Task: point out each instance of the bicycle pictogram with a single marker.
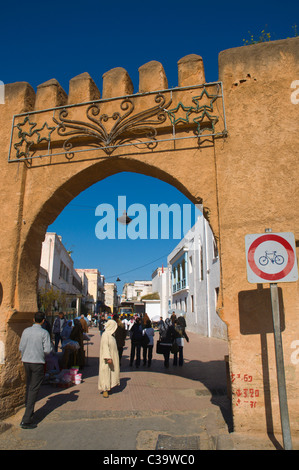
(272, 257)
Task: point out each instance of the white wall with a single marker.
(160, 284)
(53, 254)
(152, 308)
(198, 295)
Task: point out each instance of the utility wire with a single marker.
(139, 267)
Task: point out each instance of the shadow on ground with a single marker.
(211, 374)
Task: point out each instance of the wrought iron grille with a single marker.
(140, 120)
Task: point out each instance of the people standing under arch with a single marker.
(66, 332)
(77, 335)
(136, 337)
(120, 336)
(149, 332)
(58, 326)
(35, 344)
(84, 324)
(101, 323)
(180, 335)
(126, 322)
(173, 318)
(109, 360)
(167, 336)
(144, 320)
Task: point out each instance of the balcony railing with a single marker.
(180, 285)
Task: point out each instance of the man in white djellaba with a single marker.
(109, 360)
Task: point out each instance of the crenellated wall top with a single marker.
(116, 82)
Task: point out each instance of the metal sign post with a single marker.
(282, 390)
(271, 257)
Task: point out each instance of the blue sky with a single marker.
(114, 256)
(42, 40)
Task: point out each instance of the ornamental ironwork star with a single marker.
(198, 98)
(26, 136)
(189, 111)
(184, 120)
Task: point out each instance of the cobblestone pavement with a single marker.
(153, 408)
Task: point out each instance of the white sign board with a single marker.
(271, 258)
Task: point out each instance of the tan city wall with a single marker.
(246, 181)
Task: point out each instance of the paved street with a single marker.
(153, 408)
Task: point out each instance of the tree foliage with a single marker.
(51, 298)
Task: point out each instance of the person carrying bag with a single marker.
(179, 343)
(148, 343)
(167, 337)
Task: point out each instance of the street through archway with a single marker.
(156, 403)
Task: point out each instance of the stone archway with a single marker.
(218, 155)
(25, 295)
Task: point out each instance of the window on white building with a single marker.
(190, 264)
(201, 262)
(64, 271)
(216, 296)
(215, 250)
(183, 284)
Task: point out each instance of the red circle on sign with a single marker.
(262, 274)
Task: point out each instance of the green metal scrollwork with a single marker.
(56, 131)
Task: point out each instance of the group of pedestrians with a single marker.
(36, 345)
(172, 333)
(142, 337)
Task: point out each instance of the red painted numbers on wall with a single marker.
(244, 395)
(245, 377)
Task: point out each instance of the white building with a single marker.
(57, 271)
(96, 289)
(194, 277)
(135, 290)
(160, 284)
(111, 299)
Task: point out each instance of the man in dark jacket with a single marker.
(58, 325)
(136, 338)
(102, 322)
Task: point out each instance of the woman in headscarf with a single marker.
(66, 332)
(109, 360)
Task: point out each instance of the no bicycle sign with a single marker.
(271, 258)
